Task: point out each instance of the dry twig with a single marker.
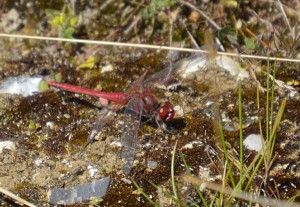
(16, 198)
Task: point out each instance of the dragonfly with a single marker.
(138, 101)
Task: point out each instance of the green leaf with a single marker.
(224, 32)
(63, 21)
(227, 31)
(90, 63)
(96, 201)
(43, 86)
(73, 21)
(56, 21)
(32, 125)
(68, 33)
(68, 10)
(250, 43)
(160, 4)
(51, 12)
(230, 3)
(57, 77)
(148, 12)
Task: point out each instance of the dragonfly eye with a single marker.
(166, 112)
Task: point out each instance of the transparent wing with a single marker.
(161, 77)
(136, 84)
(105, 115)
(130, 128)
(193, 62)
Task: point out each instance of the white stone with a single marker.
(116, 143)
(151, 164)
(253, 142)
(232, 66)
(22, 85)
(192, 144)
(179, 111)
(50, 124)
(38, 161)
(7, 145)
(107, 68)
(92, 170)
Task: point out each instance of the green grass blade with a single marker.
(195, 186)
(258, 113)
(241, 133)
(267, 101)
(271, 116)
(172, 172)
(145, 194)
(226, 153)
(272, 96)
(292, 199)
(169, 195)
(213, 200)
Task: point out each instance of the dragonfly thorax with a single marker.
(150, 102)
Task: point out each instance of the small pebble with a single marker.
(179, 111)
(38, 161)
(92, 170)
(107, 68)
(192, 144)
(7, 145)
(253, 142)
(50, 124)
(151, 164)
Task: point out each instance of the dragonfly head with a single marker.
(166, 112)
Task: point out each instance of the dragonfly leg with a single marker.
(163, 126)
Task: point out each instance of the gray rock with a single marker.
(79, 193)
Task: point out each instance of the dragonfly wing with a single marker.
(105, 115)
(130, 128)
(164, 76)
(136, 84)
(161, 77)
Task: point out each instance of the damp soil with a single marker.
(49, 156)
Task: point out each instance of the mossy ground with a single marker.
(65, 118)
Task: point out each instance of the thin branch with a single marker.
(16, 198)
(285, 18)
(213, 23)
(147, 46)
(238, 194)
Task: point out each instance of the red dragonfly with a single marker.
(139, 101)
